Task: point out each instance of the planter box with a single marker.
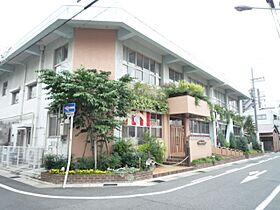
(205, 165)
(96, 178)
(186, 104)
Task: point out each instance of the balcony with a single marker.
(186, 105)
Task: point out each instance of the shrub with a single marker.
(242, 144)
(84, 163)
(55, 162)
(106, 161)
(232, 141)
(124, 149)
(209, 159)
(255, 144)
(222, 139)
(153, 148)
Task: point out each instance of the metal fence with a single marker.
(21, 157)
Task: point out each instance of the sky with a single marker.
(230, 43)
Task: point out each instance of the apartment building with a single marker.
(108, 39)
(268, 127)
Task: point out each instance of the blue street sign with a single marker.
(69, 108)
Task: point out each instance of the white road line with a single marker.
(265, 203)
(126, 196)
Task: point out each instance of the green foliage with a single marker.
(106, 161)
(84, 163)
(242, 144)
(249, 127)
(232, 141)
(209, 159)
(226, 115)
(73, 172)
(153, 148)
(255, 144)
(126, 151)
(149, 98)
(100, 102)
(222, 139)
(54, 162)
(185, 88)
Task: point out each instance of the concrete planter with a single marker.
(96, 178)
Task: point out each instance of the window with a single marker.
(262, 117)
(32, 91)
(5, 88)
(219, 98)
(137, 132)
(60, 56)
(236, 131)
(175, 76)
(200, 127)
(53, 125)
(141, 67)
(233, 105)
(15, 97)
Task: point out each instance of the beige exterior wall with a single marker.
(186, 104)
(200, 151)
(95, 48)
(166, 133)
(78, 145)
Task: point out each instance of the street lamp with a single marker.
(241, 8)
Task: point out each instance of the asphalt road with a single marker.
(248, 185)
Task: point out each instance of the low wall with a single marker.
(200, 146)
(96, 178)
(227, 152)
(232, 159)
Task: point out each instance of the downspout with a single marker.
(38, 93)
(23, 90)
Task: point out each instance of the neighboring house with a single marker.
(269, 135)
(268, 127)
(108, 39)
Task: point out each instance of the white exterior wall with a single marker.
(31, 112)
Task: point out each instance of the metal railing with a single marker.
(21, 157)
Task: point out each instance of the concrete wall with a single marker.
(199, 151)
(186, 104)
(94, 48)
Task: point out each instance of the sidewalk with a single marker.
(32, 177)
(168, 170)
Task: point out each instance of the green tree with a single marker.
(101, 103)
(249, 127)
(232, 141)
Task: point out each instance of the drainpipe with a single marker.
(23, 90)
(38, 102)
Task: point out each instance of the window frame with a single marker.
(65, 53)
(5, 88)
(30, 90)
(176, 76)
(15, 96)
(142, 67)
(56, 127)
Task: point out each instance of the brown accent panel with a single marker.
(177, 141)
(95, 48)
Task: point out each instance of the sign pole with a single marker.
(69, 150)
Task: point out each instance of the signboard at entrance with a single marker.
(138, 118)
(69, 108)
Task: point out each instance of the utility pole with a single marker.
(254, 102)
